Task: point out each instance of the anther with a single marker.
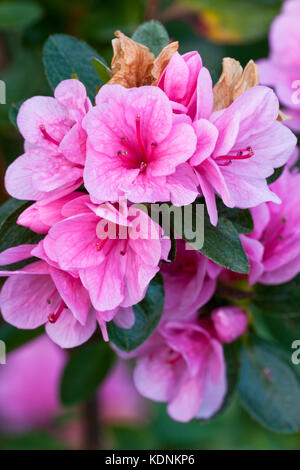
(143, 166)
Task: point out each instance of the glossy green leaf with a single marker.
(268, 386)
(102, 70)
(223, 246)
(279, 300)
(12, 234)
(241, 219)
(153, 35)
(147, 315)
(278, 172)
(65, 56)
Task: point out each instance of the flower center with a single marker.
(174, 357)
(135, 157)
(53, 317)
(243, 154)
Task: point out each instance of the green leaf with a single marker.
(278, 172)
(12, 234)
(13, 113)
(102, 70)
(241, 219)
(65, 56)
(153, 35)
(223, 246)
(14, 338)
(18, 14)
(147, 316)
(279, 300)
(268, 386)
(85, 371)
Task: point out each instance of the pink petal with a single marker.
(24, 300)
(207, 135)
(16, 253)
(67, 332)
(73, 294)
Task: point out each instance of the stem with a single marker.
(91, 424)
(233, 293)
(152, 9)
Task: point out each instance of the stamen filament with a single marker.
(53, 317)
(139, 136)
(47, 136)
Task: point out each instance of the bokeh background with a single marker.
(215, 28)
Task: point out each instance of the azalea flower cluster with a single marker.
(166, 135)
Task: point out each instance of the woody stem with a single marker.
(91, 424)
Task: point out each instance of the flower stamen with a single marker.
(47, 136)
(53, 317)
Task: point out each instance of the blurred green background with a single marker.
(216, 28)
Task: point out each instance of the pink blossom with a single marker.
(189, 281)
(55, 144)
(42, 294)
(238, 148)
(274, 246)
(282, 69)
(41, 215)
(29, 385)
(138, 148)
(119, 401)
(116, 263)
(182, 364)
(185, 80)
(229, 323)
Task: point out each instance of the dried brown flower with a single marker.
(133, 64)
(233, 82)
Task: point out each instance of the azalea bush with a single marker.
(102, 302)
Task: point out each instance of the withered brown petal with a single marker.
(233, 82)
(132, 62)
(134, 65)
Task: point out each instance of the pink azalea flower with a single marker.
(138, 148)
(229, 323)
(115, 265)
(55, 144)
(238, 148)
(282, 69)
(29, 385)
(41, 215)
(42, 294)
(119, 401)
(185, 80)
(274, 246)
(189, 281)
(182, 364)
